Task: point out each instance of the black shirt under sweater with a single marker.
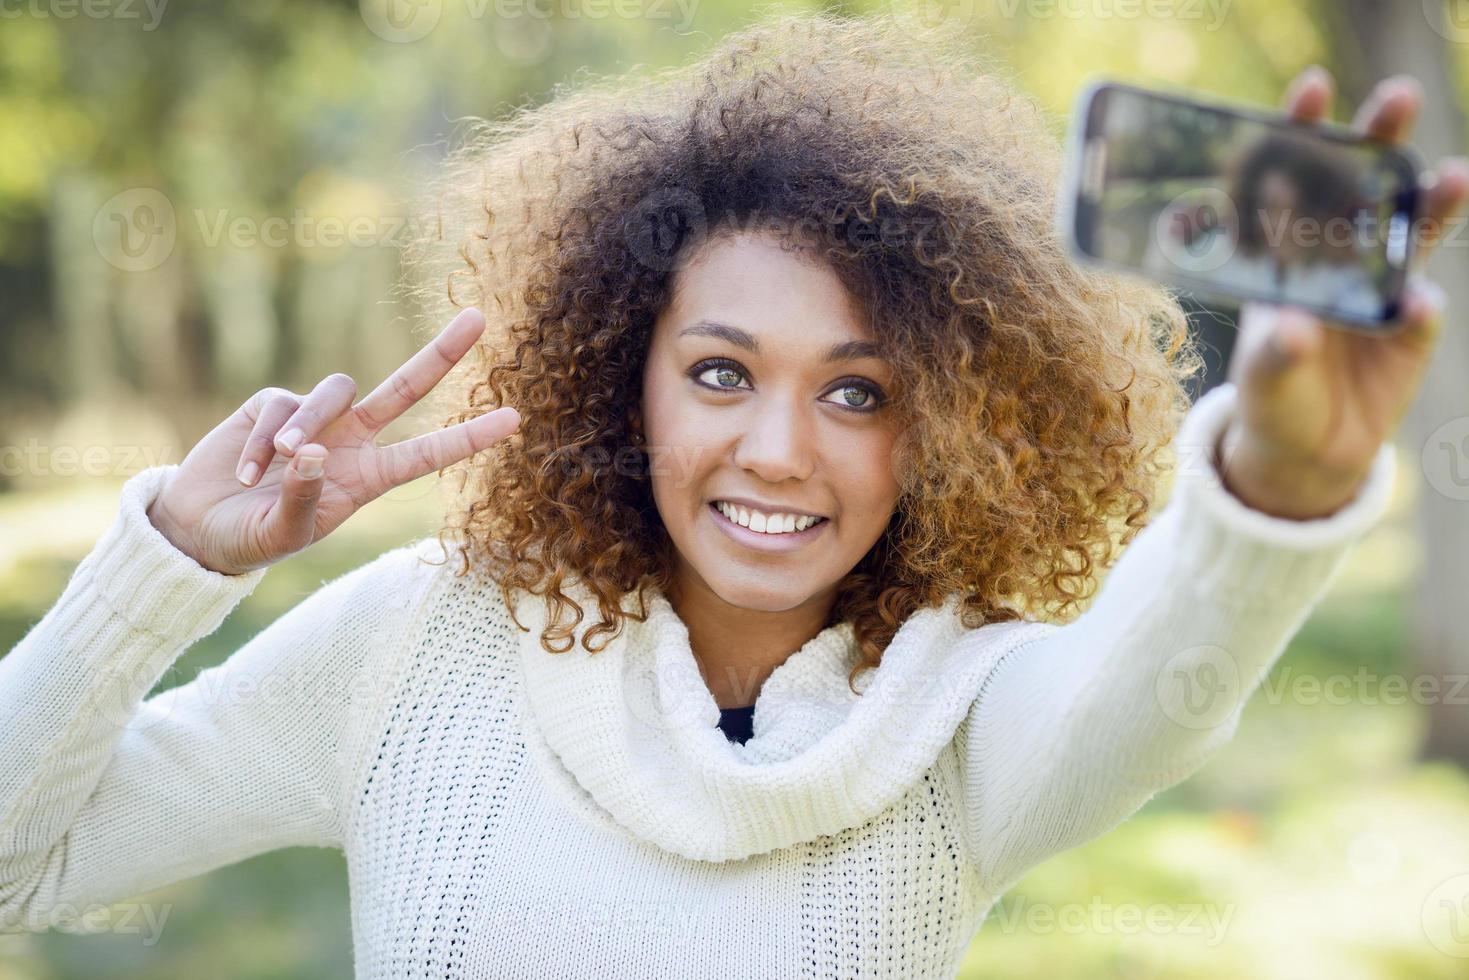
(736, 722)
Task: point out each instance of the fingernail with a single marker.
(249, 472)
(290, 440)
(309, 467)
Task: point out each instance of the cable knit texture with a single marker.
(514, 813)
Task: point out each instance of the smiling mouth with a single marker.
(775, 526)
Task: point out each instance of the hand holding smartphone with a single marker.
(1240, 204)
(1321, 386)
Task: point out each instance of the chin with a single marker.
(771, 595)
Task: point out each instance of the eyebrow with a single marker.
(847, 350)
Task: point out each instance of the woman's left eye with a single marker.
(871, 398)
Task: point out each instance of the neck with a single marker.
(738, 648)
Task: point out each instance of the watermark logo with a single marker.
(936, 14)
(400, 21)
(1448, 18)
(1445, 459)
(1445, 917)
(1097, 917)
(136, 230)
(662, 223)
(1199, 688)
(120, 919)
(1212, 12)
(526, 32)
(1195, 231)
(35, 459)
(149, 12)
(1364, 687)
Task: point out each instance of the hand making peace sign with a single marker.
(250, 494)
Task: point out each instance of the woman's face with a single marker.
(1279, 204)
(761, 389)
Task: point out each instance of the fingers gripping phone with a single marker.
(1239, 204)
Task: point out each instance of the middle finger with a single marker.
(1389, 112)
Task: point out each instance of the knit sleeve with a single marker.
(1076, 729)
(103, 795)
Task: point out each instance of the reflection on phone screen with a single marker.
(1235, 206)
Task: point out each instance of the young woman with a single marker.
(815, 433)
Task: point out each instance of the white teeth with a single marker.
(765, 523)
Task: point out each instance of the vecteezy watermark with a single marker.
(405, 21)
(300, 230)
(1198, 231)
(120, 919)
(1445, 916)
(292, 691)
(148, 12)
(678, 463)
(1449, 18)
(1364, 687)
(138, 229)
(1199, 687)
(959, 13)
(1098, 917)
(37, 460)
(594, 917)
(1202, 686)
(135, 230)
(1213, 12)
(658, 228)
(401, 21)
(1445, 459)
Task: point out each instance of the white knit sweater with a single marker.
(506, 812)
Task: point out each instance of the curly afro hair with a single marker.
(1042, 397)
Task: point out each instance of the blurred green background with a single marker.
(1325, 841)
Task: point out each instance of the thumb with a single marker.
(293, 520)
(1292, 336)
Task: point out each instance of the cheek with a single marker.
(680, 442)
(862, 468)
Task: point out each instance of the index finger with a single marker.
(1308, 98)
(406, 386)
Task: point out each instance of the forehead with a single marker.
(750, 281)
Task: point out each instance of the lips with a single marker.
(760, 540)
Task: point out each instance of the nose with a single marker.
(778, 442)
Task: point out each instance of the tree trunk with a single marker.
(1377, 38)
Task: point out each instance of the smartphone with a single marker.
(1238, 204)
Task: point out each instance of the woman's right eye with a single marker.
(724, 374)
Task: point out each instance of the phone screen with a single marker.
(1241, 205)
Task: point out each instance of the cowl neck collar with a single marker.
(635, 726)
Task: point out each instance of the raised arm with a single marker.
(1079, 728)
(103, 797)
